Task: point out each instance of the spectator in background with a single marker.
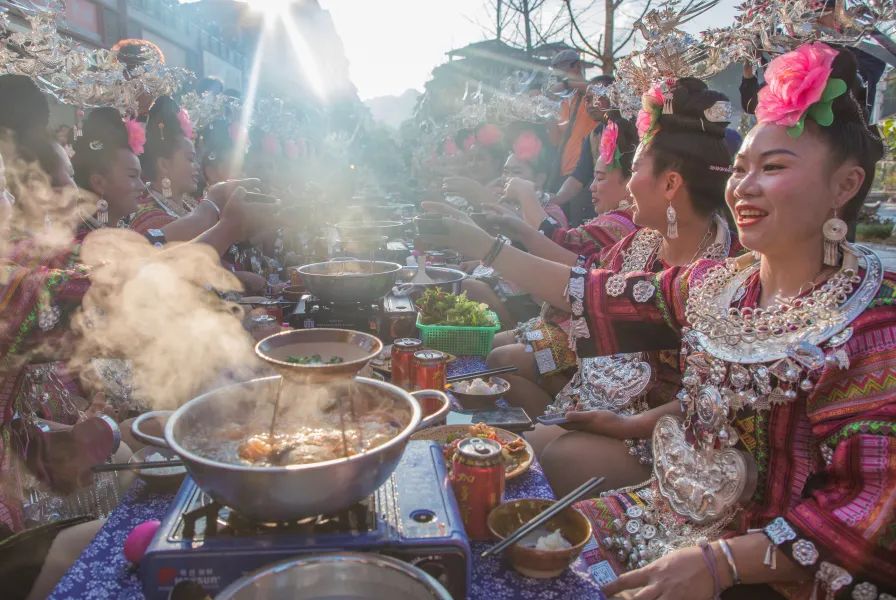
(582, 176)
(65, 136)
(574, 123)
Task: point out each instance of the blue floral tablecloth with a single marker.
(103, 573)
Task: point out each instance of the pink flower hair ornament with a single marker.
(799, 85)
(609, 146)
(136, 135)
(527, 146)
(651, 108)
(186, 125)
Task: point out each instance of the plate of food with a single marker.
(383, 362)
(516, 451)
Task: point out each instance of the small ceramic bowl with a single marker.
(158, 478)
(480, 401)
(539, 564)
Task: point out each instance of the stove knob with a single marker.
(435, 569)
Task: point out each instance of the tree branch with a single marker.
(631, 31)
(578, 31)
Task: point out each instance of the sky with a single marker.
(392, 45)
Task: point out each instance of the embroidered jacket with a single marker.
(826, 461)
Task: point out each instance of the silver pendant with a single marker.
(805, 552)
(700, 484)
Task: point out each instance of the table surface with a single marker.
(103, 572)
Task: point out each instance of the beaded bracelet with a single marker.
(709, 557)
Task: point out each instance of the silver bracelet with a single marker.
(215, 206)
(729, 556)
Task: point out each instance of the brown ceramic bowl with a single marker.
(480, 401)
(294, 293)
(539, 564)
(355, 348)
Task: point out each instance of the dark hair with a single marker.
(626, 142)
(688, 143)
(849, 137)
(103, 135)
(163, 134)
(210, 84)
(134, 53)
(217, 145)
(25, 113)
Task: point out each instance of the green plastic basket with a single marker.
(457, 340)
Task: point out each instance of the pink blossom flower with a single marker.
(651, 107)
(469, 141)
(488, 135)
(270, 145)
(186, 125)
(527, 146)
(136, 135)
(608, 141)
(794, 82)
(449, 147)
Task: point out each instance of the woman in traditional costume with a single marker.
(779, 470)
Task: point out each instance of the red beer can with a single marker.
(477, 478)
(429, 370)
(403, 351)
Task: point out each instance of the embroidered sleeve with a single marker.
(843, 527)
(148, 217)
(627, 313)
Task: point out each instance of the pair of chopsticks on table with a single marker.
(111, 467)
(554, 510)
(481, 374)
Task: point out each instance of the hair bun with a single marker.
(103, 125)
(691, 98)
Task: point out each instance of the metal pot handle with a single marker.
(436, 417)
(405, 289)
(145, 437)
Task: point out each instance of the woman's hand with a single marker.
(469, 189)
(518, 189)
(462, 236)
(247, 219)
(440, 208)
(601, 422)
(221, 193)
(681, 575)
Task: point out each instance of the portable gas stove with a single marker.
(202, 546)
(389, 318)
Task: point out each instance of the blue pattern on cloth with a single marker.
(102, 571)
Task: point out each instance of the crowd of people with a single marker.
(686, 311)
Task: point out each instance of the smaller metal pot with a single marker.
(348, 576)
(434, 405)
(442, 277)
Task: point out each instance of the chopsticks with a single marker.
(555, 509)
(111, 467)
(486, 373)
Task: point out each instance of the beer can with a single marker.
(477, 478)
(403, 351)
(429, 370)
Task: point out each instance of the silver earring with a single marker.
(671, 222)
(834, 231)
(166, 188)
(102, 211)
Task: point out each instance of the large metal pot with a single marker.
(350, 280)
(283, 493)
(348, 576)
(389, 229)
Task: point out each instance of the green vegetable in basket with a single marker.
(438, 307)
